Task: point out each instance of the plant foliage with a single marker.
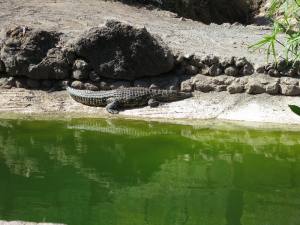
(285, 15)
(295, 109)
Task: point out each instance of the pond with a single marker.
(118, 172)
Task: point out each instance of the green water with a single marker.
(91, 172)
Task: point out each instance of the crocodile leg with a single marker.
(112, 107)
(153, 103)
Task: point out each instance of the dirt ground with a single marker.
(73, 17)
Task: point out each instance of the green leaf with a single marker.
(295, 109)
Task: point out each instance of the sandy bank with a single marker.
(261, 108)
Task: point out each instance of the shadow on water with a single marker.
(127, 172)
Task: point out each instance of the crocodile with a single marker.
(121, 98)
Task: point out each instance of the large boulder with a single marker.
(32, 53)
(120, 51)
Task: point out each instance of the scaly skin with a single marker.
(114, 100)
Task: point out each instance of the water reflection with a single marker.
(121, 172)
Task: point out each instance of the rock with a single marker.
(79, 75)
(80, 70)
(260, 69)
(53, 66)
(120, 84)
(231, 71)
(290, 90)
(7, 82)
(254, 86)
(120, 51)
(21, 83)
(247, 69)
(142, 83)
(220, 88)
(292, 72)
(2, 67)
(104, 85)
(164, 82)
(77, 84)
(240, 62)
(33, 54)
(203, 83)
(282, 65)
(191, 70)
(227, 62)
(179, 59)
(205, 70)
(187, 86)
(47, 84)
(153, 86)
(62, 84)
(91, 87)
(152, 103)
(289, 86)
(273, 88)
(94, 77)
(215, 70)
(33, 84)
(235, 87)
(273, 73)
(210, 60)
(196, 61)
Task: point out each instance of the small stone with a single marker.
(273, 73)
(91, 87)
(94, 76)
(142, 83)
(179, 59)
(120, 84)
(231, 71)
(260, 69)
(227, 62)
(273, 88)
(247, 69)
(33, 84)
(80, 70)
(153, 86)
(235, 88)
(172, 88)
(191, 70)
(292, 72)
(2, 67)
(205, 70)
(215, 70)
(20, 83)
(240, 62)
(210, 60)
(196, 61)
(220, 88)
(79, 75)
(152, 103)
(270, 66)
(77, 84)
(255, 87)
(47, 84)
(104, 85)
(62, 84)
(290, 90)
(186, 86)
(282, 65)
(203, 83)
